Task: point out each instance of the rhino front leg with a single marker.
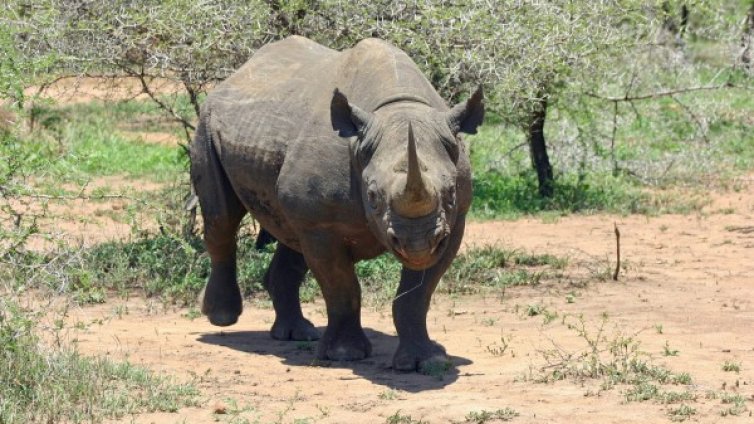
(416, 352)
(282, 280)
(344, 338)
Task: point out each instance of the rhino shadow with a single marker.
(377, 368)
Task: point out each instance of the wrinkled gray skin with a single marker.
(336, 180)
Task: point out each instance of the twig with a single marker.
(145, 87)
(79, 197)
(660, 94)
(617, 252)
(514, 148)
(612, 139)
(693, 116)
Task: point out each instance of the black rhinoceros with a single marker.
(336, 180)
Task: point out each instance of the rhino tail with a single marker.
(211, 184)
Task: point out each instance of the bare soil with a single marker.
(687, 285)
(87, 216)
(75, 90)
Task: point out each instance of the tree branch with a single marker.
(145, 87)
(660, 94)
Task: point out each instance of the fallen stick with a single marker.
(617, 252)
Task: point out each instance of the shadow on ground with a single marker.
(377, 368)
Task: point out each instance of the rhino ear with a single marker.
(467, 116)
(346, 118)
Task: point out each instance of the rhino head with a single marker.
(406, 155)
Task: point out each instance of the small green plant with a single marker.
(681, 413)
(388, 395)
(192, 313)
(233, 411)
(483, 416)
(531, 260)
(535, 310)
(736, 403)
(641, 392)
(489, 322)
(549, 316)
(307, 346)
(436, 369)
(499, 349)
(615, 359)
(398, 418)
(667, 351)
(731, 366)
(668, 397)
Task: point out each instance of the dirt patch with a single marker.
(87, 215)
(163, 138)
(74, 90)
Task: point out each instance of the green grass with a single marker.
(73, 144)
(46, 384)
(510, 196)
(163, 265)
(484, 416)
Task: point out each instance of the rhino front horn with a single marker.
(415, 200)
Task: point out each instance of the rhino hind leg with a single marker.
(222, 302)
(416, 352)
(222, 212)
(283, 280)
(264, 238)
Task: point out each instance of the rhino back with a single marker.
(375, 73)
(270, 122)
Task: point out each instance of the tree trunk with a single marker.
(538, 149)
(675, 29)
(747, 39)
(684, 21)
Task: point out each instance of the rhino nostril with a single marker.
(440, 243)
(395, 242)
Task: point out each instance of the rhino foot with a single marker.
(345, 347)
(223, 318)
(222, 311)
(427, 358)
(300, 329)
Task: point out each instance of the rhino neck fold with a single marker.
(404, 97)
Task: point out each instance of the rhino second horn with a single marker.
(415, 200)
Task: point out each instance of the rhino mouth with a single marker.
(414, 263)
(420, 260)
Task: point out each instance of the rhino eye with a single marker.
(373, 198)
(452, 148)
(451, 197)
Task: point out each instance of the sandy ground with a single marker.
(687, 286)
(94, 213)
(73, 90)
